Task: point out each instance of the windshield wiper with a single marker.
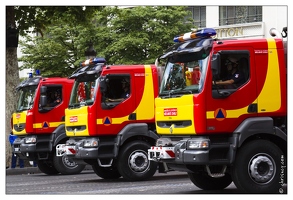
(75, 105)
(20, 110)
(180, 92)
(172, 93)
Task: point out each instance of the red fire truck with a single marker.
(39, 123)
(225, 129)
(107, 129)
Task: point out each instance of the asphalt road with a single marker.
(89, 183)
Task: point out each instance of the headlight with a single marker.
(18, 140)
(30, 140)
(161, 142)
(90, 143)
(70, 142)
(198, 144)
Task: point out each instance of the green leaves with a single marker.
(136, 35)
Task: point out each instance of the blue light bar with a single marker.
(93, 61)
(204, 33)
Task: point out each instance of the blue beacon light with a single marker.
(93, 61)
(204, 33)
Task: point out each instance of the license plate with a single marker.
(16, 149)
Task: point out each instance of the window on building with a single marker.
(198, 14)
(239, 14)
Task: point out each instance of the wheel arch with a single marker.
(137, 131)
(261, 128)
(60, 135)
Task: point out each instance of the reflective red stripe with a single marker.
(170, 153)
(72, 150)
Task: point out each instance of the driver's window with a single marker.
(234, 71)
(118, 89)
(54, 95)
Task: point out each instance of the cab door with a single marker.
(116, 109)
(226, 108)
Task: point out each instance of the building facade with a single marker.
(240, 21)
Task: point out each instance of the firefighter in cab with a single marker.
(57, 100)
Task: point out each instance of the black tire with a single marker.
(47, 167)
(204, 181)
(133, 163)
(106, 172)
(257, 167)
(67, 166)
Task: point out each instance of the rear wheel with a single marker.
(133, 163)
(47, 167)
(258, 168)
(206, 182)
(67, 166)
(106, 172)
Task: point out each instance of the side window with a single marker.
(234, 71)
(118, 90)
(54, 95)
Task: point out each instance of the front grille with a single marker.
(19, 127)
(177, 124)
(78, 128)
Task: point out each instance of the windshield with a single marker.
(83, 93)
(25, 98)
(184, 77)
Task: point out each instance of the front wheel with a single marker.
(206, 182)
(47, 167)
(67, 166)
(133, 163)
(106, 172)
(258, 168)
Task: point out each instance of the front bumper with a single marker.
(179, 153)
(32, 150)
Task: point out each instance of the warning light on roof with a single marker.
(93, 61)
(204, 33)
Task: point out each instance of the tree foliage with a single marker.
(39, 17)
(136, 35)
(58, 52)
(140, 34)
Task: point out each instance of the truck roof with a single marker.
(36, 80)
(256, 42)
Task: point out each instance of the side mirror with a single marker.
(216, 64)
(102, 84)
(43, 100)
(43, 90)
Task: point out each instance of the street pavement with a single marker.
(30, 170)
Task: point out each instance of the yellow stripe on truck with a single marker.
(144, 110)
(269, 99)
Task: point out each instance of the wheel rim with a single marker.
(262, 168)
(138, 161)
(68, 162)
